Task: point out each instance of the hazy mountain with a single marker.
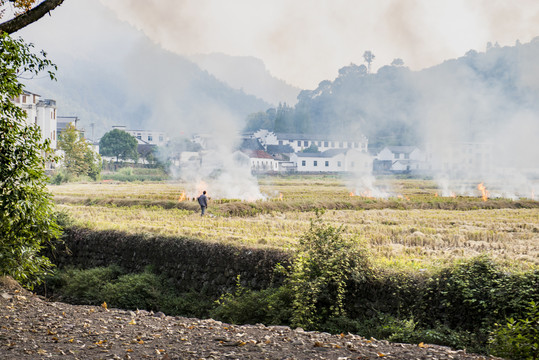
(248, 74)
(117, 76)
(490, 96)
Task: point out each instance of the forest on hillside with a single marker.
(473, 98)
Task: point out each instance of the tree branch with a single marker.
(29, 17)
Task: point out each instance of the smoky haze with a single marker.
(305, 41)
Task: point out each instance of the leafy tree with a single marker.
(120, 144)
(324, 264)
(79, 158)
(27, 220)
(369, 58)
(25, 14)
(284, 119)
(259, 120)
(311, 149)
(518, 339)
(397, 62)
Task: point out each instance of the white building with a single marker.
(262, 162)
(300, 142)
(334, 160)
(41, 112)
(460, 157)
(401, 159)
(151, 137)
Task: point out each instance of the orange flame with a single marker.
(400, 196)
(351, 193)
(182, 197)
(281, 196)
(367, 194)
(436, 194)
(453, 195)
(484, 193)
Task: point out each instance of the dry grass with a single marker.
(412, 239)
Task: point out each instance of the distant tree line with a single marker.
(397, 106)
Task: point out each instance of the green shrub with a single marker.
(133, 291)
(518, 339)
(271, 306)
(322, 268)
(190, 304)
(85, 286)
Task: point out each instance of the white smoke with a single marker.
(220, 169)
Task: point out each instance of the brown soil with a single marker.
(33, 328)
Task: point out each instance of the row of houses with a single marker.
(306, 153)
(288, 152)
(271, 152)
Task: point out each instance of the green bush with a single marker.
(133, 291)
(271, 306)
(322, 268)
(119, 289)
(84, 286)
(518, 339)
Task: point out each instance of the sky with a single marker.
(306, 41)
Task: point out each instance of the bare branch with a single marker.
(29, 17)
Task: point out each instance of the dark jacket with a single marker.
(203, 200)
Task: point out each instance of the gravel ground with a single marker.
(33, 328)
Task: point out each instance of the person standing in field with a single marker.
(203, 202)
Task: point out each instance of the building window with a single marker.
(280, 142)
(327, 163)
(150, 138)
(341, 144)
(139, 137)
(407, 156)
(299, 143)
(24, 99)
(315, 163)
(303, 163)
(338, 163)
(326, 144)
(397, 156)
(352, 164)
(306, 143)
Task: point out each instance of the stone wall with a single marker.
(211, 268)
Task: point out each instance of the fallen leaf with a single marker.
(104, 305)
(381, 354)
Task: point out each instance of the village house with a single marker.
(41, 112)
(146, 137)
(262, 162)
(333, 160)
(400, 159)
(300, 142)
(460, 157)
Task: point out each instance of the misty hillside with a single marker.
(481, 97)
(250, 74)
(116, 75)
(155, 89)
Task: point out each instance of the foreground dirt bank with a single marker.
(32, 328)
